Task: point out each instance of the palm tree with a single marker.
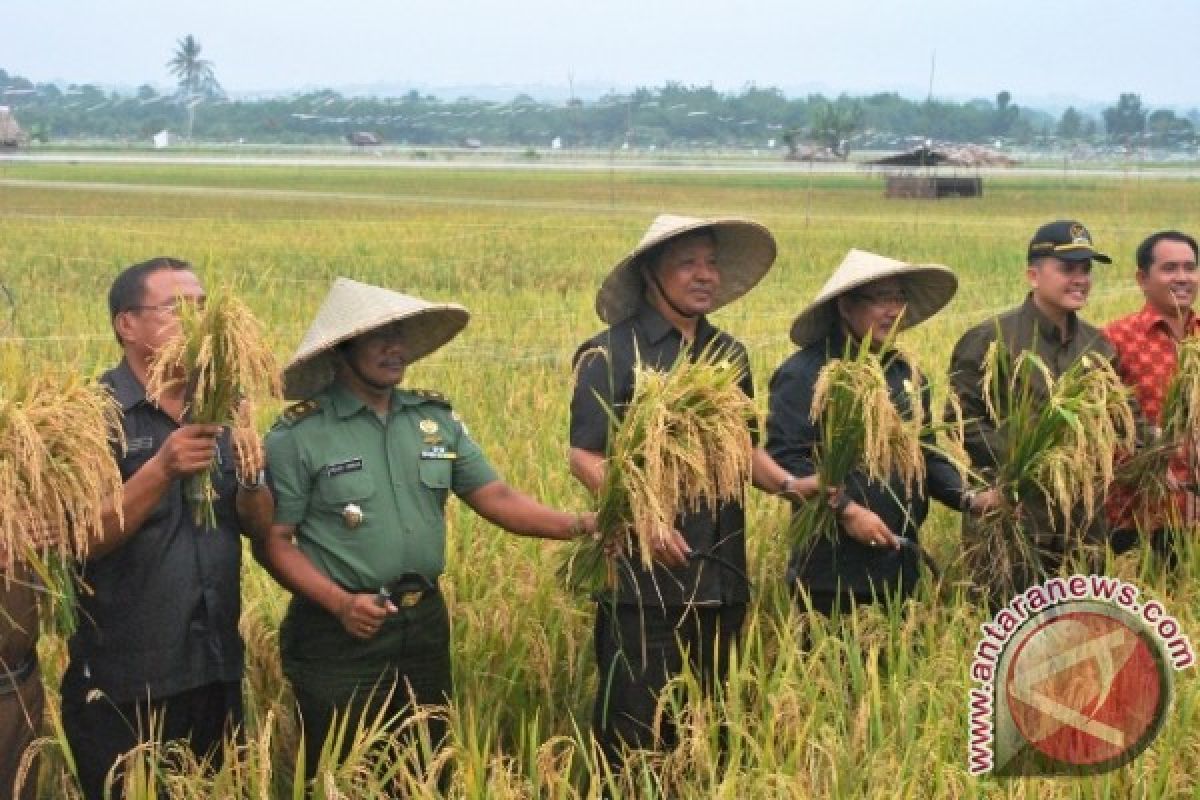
(196, 77)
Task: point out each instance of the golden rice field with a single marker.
(525, 251)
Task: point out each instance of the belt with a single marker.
(11, 679)
(407, 590)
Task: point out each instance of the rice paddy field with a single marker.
(874, 708)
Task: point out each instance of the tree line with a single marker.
(671, 115)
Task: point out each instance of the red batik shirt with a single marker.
(1146, 361)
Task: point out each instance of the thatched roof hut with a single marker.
(949, 155)
(11, 134)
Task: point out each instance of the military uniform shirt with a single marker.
(334, 456)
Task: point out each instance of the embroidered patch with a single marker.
(342, 467)
(139, 443)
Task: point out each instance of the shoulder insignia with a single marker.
(299, 411)
(431, 396)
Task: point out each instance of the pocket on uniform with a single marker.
(346, 487)
(436, 473)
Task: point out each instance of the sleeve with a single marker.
(593, 398)
(982, 438)
(791, 435)
(289, 476)
(471, 469)
(942, 479)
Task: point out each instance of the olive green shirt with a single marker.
(367, 495)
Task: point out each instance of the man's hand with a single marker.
(984, 502)
(362, 616)
(863, 524)
(801, 489)
(669, 548)
(189, 449)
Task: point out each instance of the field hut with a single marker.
(11, 135)
(930, 185)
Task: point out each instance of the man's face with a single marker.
(687, 271)
(1169, 283)
(1060, 285)
(874, 309)
(146, 327)
(379, 358)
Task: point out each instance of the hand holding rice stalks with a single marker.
(223, 362)
(683, 445)
(860, 429)
(1062, 437)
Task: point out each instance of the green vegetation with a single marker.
(876, 710)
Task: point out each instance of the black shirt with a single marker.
(605, 377)
(160, 614)
(791, 439)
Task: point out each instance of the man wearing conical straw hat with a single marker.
(873, 555)
(158, 626)
(691, 604)
(362, 470)
(1059, 261)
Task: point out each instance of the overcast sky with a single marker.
(1039, 50)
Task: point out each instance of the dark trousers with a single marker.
(100, 731)
(639, 649)
(22, 700)
(1164, 544)
(334, 675)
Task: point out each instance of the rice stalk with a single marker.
(683, 445)
(221, 358)
(860, 429)
(1063, 437)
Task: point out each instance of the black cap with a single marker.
(1066, 239)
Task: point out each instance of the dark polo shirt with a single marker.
(605, 378)
(160, 614)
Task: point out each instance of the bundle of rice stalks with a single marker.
(1063, 436)
(56, 464)
(222, 359)
(683, 444)
(861, 429)
(56, 471)
(1143, 477)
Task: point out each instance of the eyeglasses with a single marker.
(893, 297)
(171, 306)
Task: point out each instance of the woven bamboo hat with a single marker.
(745, 252)
(352, 309)
(927, 287)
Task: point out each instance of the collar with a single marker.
(126, 388)
(656, 327)
(346, 403)
(1045, 326)
(1149, 317)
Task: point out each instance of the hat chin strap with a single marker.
(666, 299)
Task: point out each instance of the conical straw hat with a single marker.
(928, 287)
(352, 309)
(745, 252)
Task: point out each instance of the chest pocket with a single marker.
(436, 473)
(345, 487)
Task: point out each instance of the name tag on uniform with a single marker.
(342, 467)
(139, 443)
(438, 452)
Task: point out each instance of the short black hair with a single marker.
(1145, 251)
(129, 287)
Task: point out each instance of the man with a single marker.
(1059, 272)
(1146, 343)
(362, 470)
(157, 653)
(22, 699)
(874, 556)
(690, 606)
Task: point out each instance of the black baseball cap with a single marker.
(1066, 239)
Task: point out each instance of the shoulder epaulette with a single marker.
(299, 411)
(431, 396)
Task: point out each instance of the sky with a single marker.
(1045, 52)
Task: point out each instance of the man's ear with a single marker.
(123, 326)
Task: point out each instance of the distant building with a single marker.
(364, 139)
(162, 139)
(11, 135)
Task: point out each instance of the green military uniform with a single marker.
(367, 497)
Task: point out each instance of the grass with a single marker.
(525, 252)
